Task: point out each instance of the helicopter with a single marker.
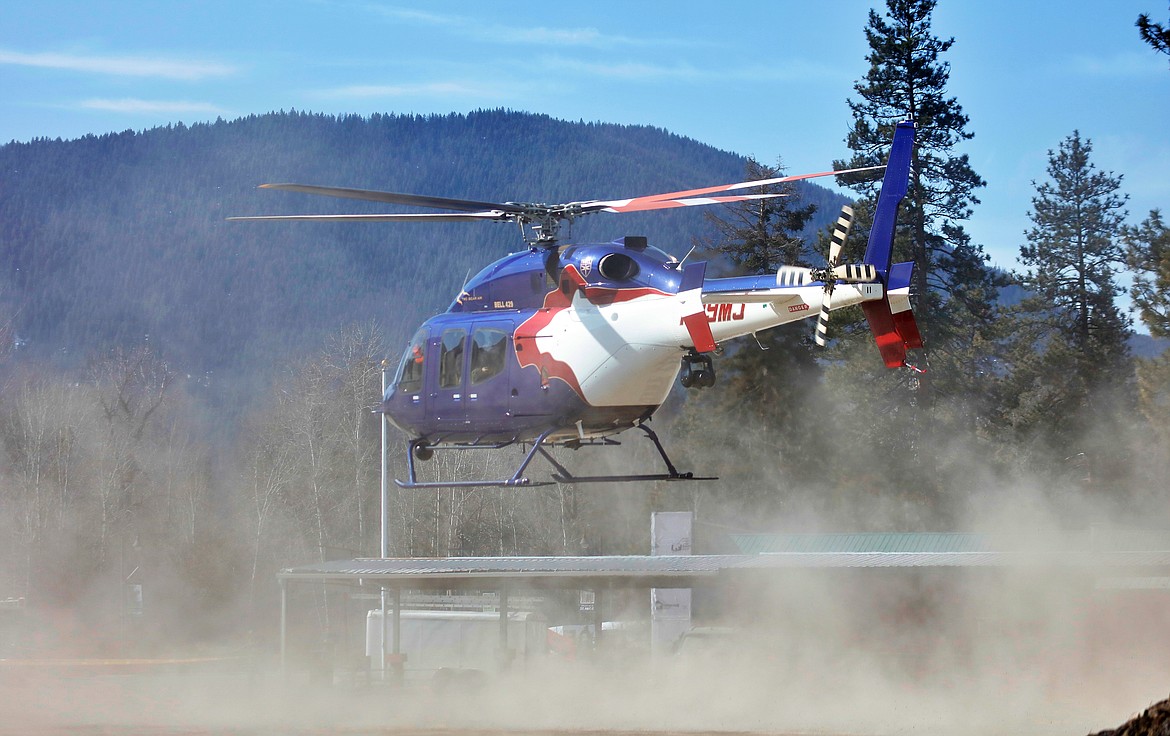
(570, 345)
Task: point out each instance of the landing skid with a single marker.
(519, 480)
(565, 477)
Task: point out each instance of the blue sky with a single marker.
(768, 79)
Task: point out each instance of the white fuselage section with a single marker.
(628, 353)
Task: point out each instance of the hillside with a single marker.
(121, 238)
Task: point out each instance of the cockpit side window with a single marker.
(451, 358)
(410, 370)
(488, 351)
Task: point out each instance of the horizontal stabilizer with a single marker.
(899, 299)
(760, 289)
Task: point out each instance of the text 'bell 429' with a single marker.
(572, 344)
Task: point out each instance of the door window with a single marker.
(451, 358)
(488, 350)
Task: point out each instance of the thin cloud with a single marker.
(427, 89)
(133, 106)
(121, 66)
(799, 71)
(1124, 65)
(516, 34)
(628, 70)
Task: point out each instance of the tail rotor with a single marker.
(829, 274)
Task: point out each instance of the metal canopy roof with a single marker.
(684, 570)
(1101, 539)
(862, 542)
(571, 572)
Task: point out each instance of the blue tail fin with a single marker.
(894, 186)
(890, 319)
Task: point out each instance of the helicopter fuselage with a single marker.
(585, 340)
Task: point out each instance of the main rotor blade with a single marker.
(427, 217)
(637, 203)
(480, 211)
(415, 200)
(661, 204)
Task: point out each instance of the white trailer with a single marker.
(458, 640)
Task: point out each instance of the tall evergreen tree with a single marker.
(1148, 254)
(954, 289)
(759, 378)
(1070, 347)
(1073, 254)
(759, 236)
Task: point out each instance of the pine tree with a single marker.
(954, 289)
(1073, 254)
(1148, 254)
(1070, 365)
(759, 236)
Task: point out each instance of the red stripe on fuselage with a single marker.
(557, 300)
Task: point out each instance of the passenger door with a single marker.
(488, 384)
(449, 358)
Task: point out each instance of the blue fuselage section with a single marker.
(461, 379)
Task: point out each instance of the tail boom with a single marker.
(796, 292)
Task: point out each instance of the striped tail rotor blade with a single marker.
(854, 273)
(822, 334)
(836, 245)
(793, 276)
(840, 233)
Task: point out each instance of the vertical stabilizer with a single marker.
(894, 186)
(890, 319)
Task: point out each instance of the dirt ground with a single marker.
(134, 698)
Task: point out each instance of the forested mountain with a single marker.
(121, 239)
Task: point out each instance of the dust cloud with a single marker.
(1036, 648)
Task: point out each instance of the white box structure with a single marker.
(670, 608)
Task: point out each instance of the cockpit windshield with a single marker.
(410, 370)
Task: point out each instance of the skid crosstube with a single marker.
(562, 474)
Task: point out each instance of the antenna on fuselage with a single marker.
(678, 266)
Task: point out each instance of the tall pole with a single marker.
(283, 628)
(385, 469)
(385, 523)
